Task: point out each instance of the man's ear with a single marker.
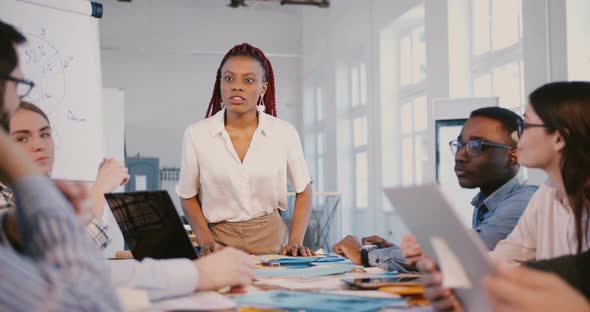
(513, 157)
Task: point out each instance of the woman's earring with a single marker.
(261, 107)
(222, 105)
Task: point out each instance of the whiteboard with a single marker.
(62, 57)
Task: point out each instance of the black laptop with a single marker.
(150, 225)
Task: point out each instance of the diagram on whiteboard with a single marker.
(44, 64)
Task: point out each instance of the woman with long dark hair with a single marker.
(560, 112)
(553, 137)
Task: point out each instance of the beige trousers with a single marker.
(264, 235)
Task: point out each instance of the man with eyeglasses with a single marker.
(22, 87)
(485, 158)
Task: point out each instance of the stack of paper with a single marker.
(312, 271)
(199, 301)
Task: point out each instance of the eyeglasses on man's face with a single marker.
(474, 148)
(23, 86)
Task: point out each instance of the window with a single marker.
(360, 135)
(358, 85)
(412, 57)
(496, 36)
(362, 180)
(315, 144)
(319, 104)
(360, 158)
(413, 103)
(320, 158)
(414, 119)
(497, 24)
(359, 126)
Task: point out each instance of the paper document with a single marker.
(312, 271)
(332, 282)
(200, 301)
(454, 276)
(364, 293)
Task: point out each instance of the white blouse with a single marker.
(545, 230)
(230, 190)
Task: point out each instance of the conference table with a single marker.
(290, 288)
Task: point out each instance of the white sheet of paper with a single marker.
(200, 301)
(140, 183)
(406, 309)
(323, 282)
(366, 293)
(374, 270)
(454, 276)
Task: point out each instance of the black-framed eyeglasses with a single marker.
(523, 125)
(23, 86)
(474, 147)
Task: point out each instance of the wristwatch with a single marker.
(365, 254)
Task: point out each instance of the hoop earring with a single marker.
(261, 106)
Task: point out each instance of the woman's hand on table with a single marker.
(210, 247)
(296, 249)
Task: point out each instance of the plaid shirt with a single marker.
(58, 268)
(97, 229)
(7, 200)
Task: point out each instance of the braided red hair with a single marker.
(255, 53)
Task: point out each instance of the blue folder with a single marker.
(313, 301)
(304, 262)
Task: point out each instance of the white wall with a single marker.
(165, 54)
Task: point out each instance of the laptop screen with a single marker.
(150, 225)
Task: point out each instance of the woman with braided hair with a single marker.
(235, 164)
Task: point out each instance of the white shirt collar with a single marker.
(219, 122)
